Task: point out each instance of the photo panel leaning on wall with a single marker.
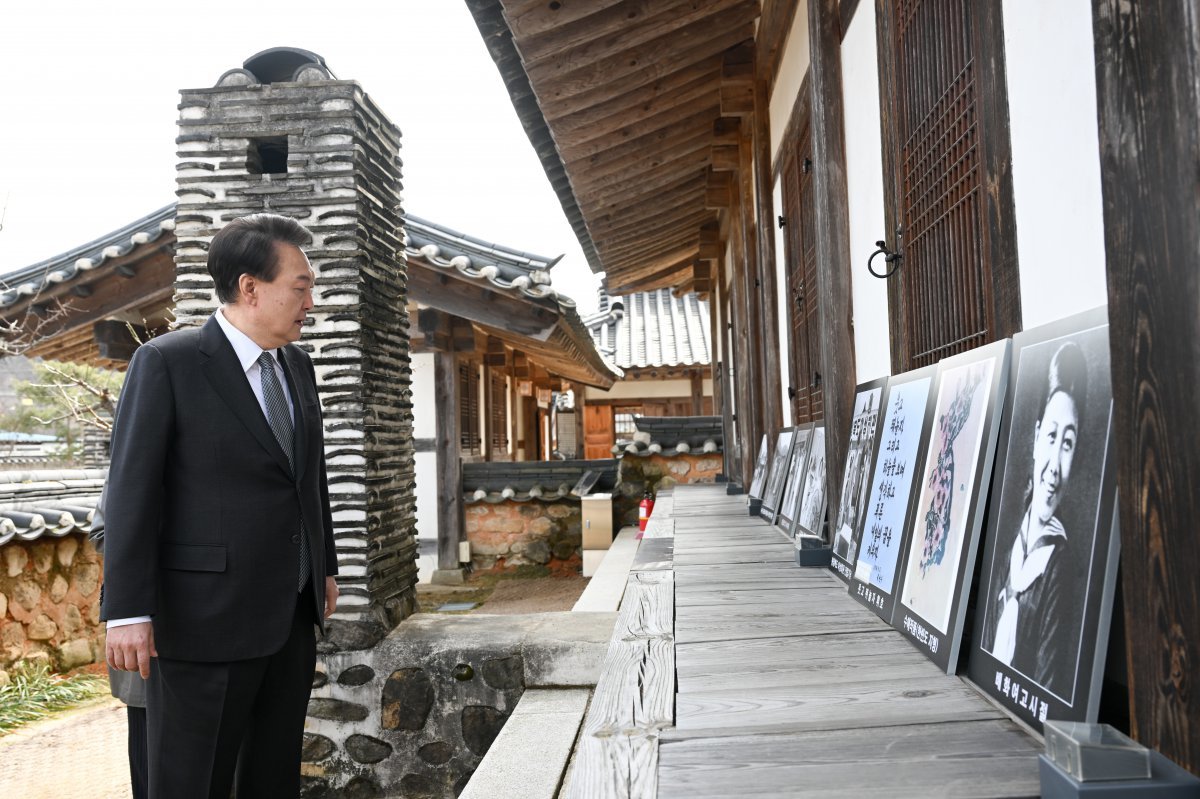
(945, 523)
(810, 518)
(778, 472)
(864, 428)
(881, 534)
(759, 481)
(790, 505)
(1050, 559)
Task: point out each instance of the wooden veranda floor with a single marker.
(788, 687)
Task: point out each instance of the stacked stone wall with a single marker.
(50, 603)
(507, 534)
(637, 473)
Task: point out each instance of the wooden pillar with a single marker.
(449, 469)
(768, 291)
(760, 382)
(1149, 116)
(697, 392)
(832, 228)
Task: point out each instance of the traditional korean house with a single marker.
(661, 342)
(862, 189)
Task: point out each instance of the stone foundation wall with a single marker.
(50, 603)
(657, 472)
(510, 533)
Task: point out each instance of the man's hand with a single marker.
(130, 647)
(331, 595)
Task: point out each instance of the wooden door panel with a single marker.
(598, 438)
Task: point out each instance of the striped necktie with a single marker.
(281, 425)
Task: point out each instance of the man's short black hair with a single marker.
(246, 246)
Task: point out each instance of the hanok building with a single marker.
(662, 343)
(861, 189)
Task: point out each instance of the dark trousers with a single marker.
(212, 725)
(136, 718)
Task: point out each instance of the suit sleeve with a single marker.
(133, 514)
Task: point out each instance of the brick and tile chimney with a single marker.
(282, 134)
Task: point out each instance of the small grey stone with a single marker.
(320, 678)
(361, 788)
(356, 675)
(366, 749)
(336, 710)
(538, 552)
(480, 726)
(316, 747)
(315, 788)
(504, 673)
(563, 550)
(420, 786)
(436, 753)
(407, 700)
(350, 636)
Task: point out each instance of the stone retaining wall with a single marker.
(509, 533)
(50, 603)
(657, 472)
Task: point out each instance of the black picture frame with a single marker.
(945, 523)
(813, 493)
(881, 536)
(789, 505)
(761, 466)
(779, 466)
(1049, 569)
(856, 479)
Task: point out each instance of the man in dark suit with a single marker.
(219, 555)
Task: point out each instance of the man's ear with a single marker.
(247, 288)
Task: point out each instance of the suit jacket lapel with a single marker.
(223, 370)
(293, 370)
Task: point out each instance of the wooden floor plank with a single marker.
(747, 594)
(967, 759)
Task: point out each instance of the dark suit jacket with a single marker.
(203, 517)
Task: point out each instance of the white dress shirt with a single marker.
(247, 353)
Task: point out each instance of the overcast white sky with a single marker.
(88, 96)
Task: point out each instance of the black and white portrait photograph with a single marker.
(811, 517)
(1045, 571)
(759, 481)
(790, 507)
(779, 467)
(856, 479)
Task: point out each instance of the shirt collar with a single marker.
(244, 348)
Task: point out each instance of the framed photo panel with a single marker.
(775, 477)
(945, 523)
(864, 425)
(790, 506)
(1050, 558)
(761, 466)
(881, 534)
(811, 517)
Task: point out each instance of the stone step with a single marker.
(530, 754)
(607, 585)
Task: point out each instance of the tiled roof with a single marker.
(503, 267)
(674, 435)
(51, 503)
(652, 328)
(31, 280)
(525, 481)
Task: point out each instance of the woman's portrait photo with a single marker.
(1042, 542)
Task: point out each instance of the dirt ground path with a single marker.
(79, 753)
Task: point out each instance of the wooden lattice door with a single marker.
(948, 178)
(803, 312)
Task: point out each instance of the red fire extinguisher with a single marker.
(645, 508)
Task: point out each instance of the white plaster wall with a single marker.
(864, 180)
(785, 309)
(791, 74)
(649, 389)
(424, 413)
(1051, 70)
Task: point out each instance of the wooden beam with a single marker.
(116, 340)
(718, 190)
(724, 158)
(462, 336)
(773, 28)
(737, 81)
(623, 149)
(1149, 120)
(663, 275)
(449, 460)
(832, 235)
(764, 213)
(475, 300)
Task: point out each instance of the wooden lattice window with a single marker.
(947, 170)
(498, 414)
(468, 408)
(804, 354)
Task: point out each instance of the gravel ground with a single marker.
(81, 752)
